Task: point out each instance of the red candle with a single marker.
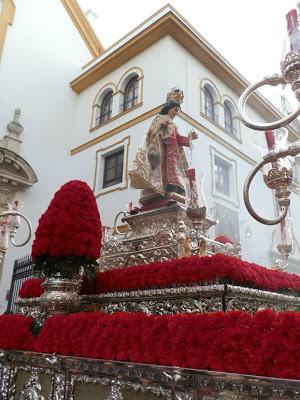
(270, 139)
(293, 30)
(191, 175)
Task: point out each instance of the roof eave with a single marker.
(170, 24)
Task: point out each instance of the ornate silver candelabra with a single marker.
(9, 224)
(279, 177)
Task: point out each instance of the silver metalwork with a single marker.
(247, 299)
(272, 80)
(158, 235)
(173, 300)
(116, 221)
(167, 382)
(285, 250)
(115, 393)
(60, 296)
(32, 389)
(13, 230)
(59, 386)
(277, 179)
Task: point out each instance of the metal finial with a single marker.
(14, 126)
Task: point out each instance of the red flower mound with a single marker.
(31, 288)
(223, 239)
(15, 332)
(265, 344)
(195, 270)
(71, 225)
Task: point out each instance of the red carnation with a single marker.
(31, 288)
(196, 270)
(70, 228)
(223, 239)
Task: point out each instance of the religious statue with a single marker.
(159, 166)
(192, 245)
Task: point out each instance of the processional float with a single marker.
(158, 268)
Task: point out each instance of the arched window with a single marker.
(105, 108)
(131, 93)
(228, 119)
(209, 104)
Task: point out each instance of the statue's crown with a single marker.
(176, 95)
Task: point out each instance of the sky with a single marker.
(249, 35)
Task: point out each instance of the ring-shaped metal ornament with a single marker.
(14, 213)
(248, 203)
(116, 220)
(272, 80)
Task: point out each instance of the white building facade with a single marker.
(91, 129)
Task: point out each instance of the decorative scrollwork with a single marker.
(170, 382)
(272, 80)
(32, 389)
(115, 393)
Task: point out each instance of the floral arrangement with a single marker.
(196, 270)
(185, 271)
(31, 288)
(15, 332)
(264, 344)
(223, 239)
(69, 232)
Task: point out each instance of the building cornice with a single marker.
(84, 27)
(6, 18)
(15, 172)
(112, 132)
(187, 118)
(183, 33)
(212, 135)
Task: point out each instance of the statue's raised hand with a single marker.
(193, 135)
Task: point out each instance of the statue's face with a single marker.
(193, 234)
(173, 112)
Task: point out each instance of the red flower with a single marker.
(71, 225)
(15, 332)
(195, 270)
(31, 288)
(265, 344)
(223, 239)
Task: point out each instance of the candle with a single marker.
(270, 139)
(283, 231)
(193, 198)
(293, 30)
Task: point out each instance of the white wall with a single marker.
(152, 62)
(183, 70)
(42, 53)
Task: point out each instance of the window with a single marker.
(209, 104)
(222, 176)
(105, 109)
(229, 224)
(228, 119)
(130, 94)
(113, 168)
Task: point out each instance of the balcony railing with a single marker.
(129, 103)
